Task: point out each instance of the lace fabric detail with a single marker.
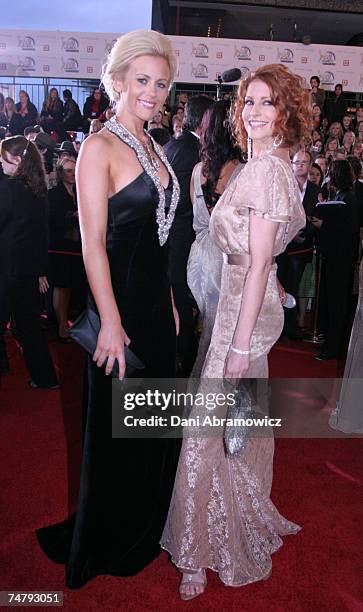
(225, 521)
(164, 220)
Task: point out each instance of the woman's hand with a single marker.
(235, 367)
(281, 290)
(110, 346)
(43, 284)
(317, 223)
(175, 314)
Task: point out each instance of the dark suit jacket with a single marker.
(339, 233)
(23, 230)
(63, 226)
(358, 188)
(183, 155)
(304, 249)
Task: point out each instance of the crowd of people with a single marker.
(222, 207)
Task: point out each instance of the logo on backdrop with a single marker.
(200, 71)
(286, 56)
(201, 50)
(70, 65)
(27, 64)
(327, 58)
(327, 78)
(108, 45)
(242, 53)
(27, 43)
(245, 72)
(70, 45)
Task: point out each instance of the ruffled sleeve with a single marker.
(267, 186)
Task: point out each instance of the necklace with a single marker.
(150, 153)
(164, 221)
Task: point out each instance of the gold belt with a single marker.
(242, 259)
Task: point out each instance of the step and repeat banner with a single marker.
(81, 55)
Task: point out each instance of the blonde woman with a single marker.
(127, 196)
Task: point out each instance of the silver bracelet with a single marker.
(238, 351)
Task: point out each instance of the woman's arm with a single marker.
(92, 195)
(261, 242)
(192, 180)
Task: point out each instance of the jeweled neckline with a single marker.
(164, 220)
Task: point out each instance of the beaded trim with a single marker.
(164, 221)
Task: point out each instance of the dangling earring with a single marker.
(277, 141)
(249, 148)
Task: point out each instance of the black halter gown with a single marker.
(126, 484)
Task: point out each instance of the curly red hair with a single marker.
(291, 100)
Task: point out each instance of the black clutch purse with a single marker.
(85, 330)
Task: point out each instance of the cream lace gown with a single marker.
(221, 516)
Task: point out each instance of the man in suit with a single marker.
(337, 108)
(183, 155)
(358, 186)
(299, 252)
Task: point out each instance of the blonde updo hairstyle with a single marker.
(130, 46)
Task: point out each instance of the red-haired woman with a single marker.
(221, 516)
(23, 253)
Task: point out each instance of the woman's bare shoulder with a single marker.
(102, 143)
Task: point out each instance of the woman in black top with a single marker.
(51, 117)
(26, 110)
(66, 264)
(23, 253)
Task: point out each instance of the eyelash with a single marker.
(144, 81)
(250, 102)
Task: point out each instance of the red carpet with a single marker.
(318, 484)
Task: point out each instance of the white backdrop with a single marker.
(81, 55)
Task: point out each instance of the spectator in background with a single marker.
(316, 175)
(72, 117)
(31, 132)
(166, 116)
(322, 163)
(14, 122)
(338, 238)
(183, 155)
(94, 106)
(337, 108)
(51, 116)
(316, 116)
(347, 123)
(27, 111)
(299, 252)
(336, 130)
(23, 254)
(317, 94)
(358, 118)
(331, 145)
(348, 142)
(316, 149)
(46, 146)
(358, 150)
(3, 122)
(95, 126)
(357, 166)
(360, 132)
(156, 121)
(77, 146)
(179, 114)
(66, 149)
(161, 135)
(67, 273)
(177, 127)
